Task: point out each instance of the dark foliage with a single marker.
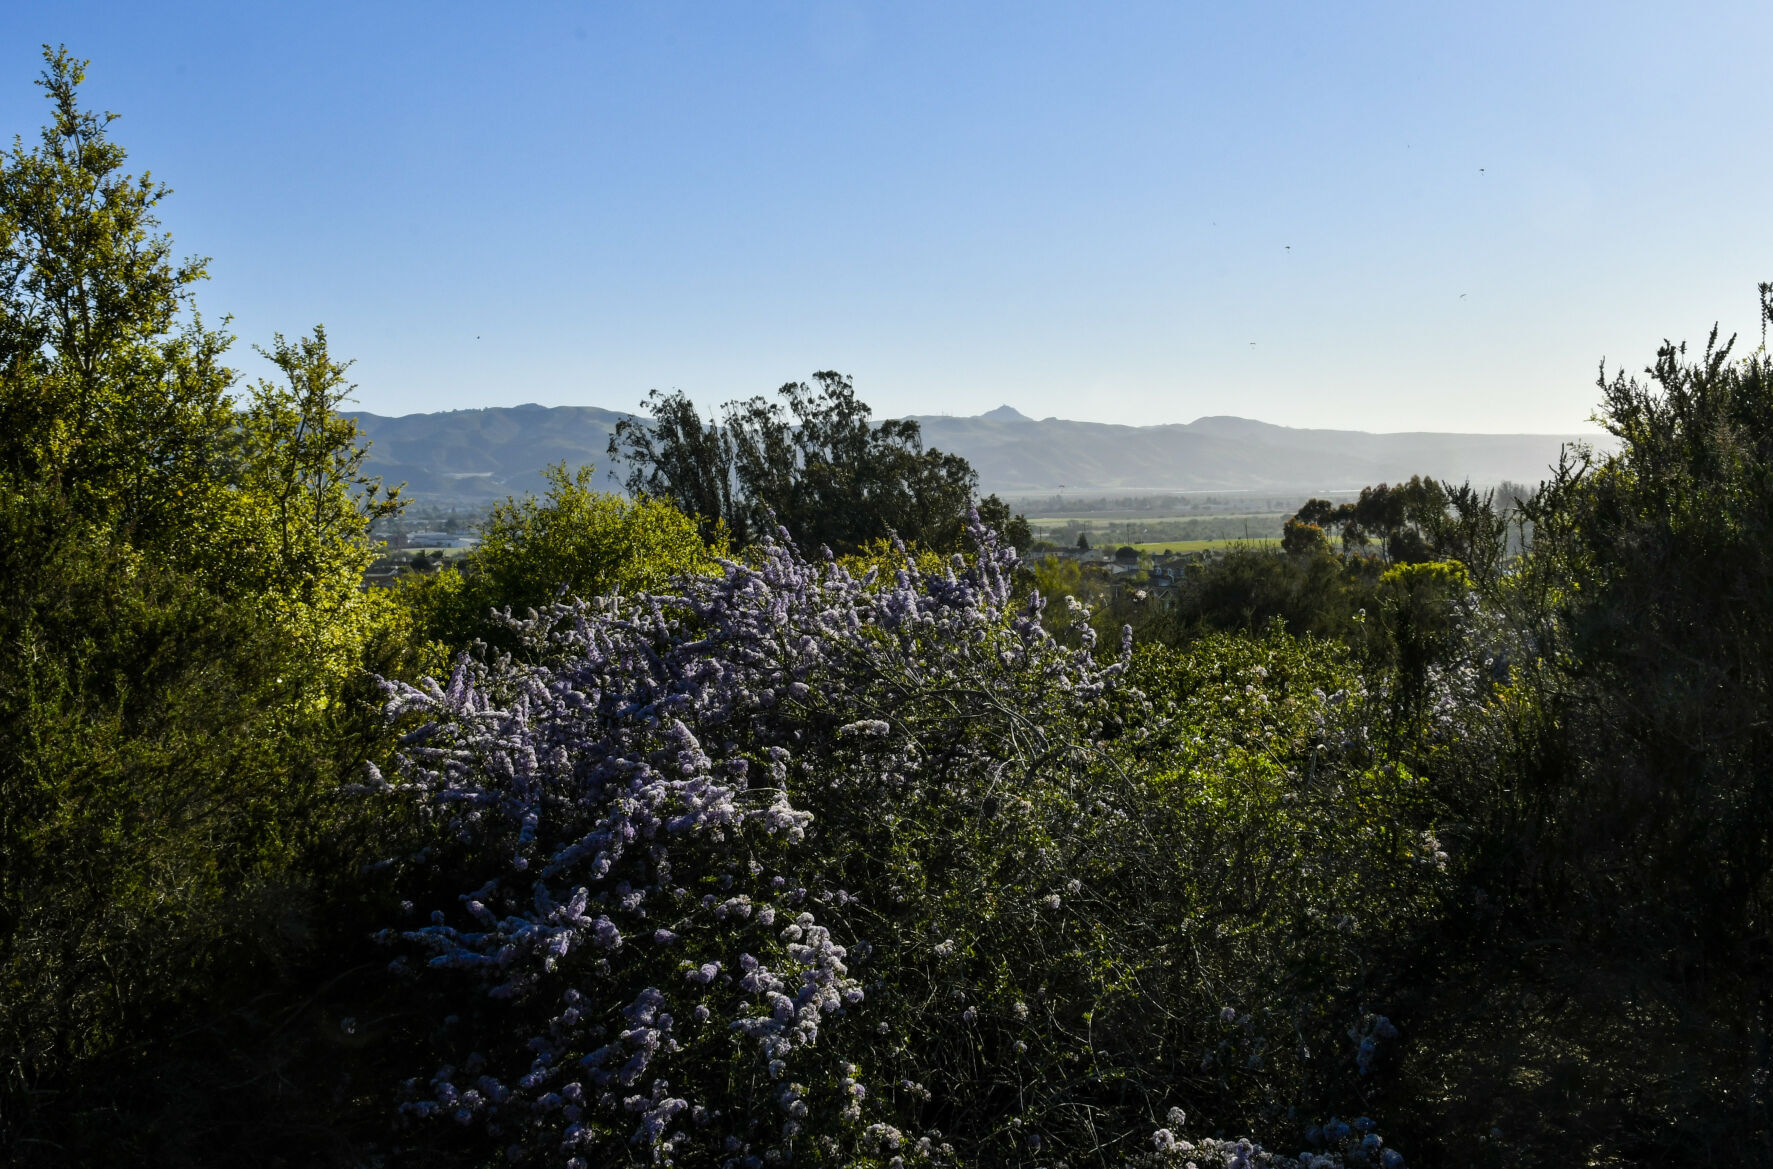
(1413, 522)
(1012, 527)
(1309, 592)
(812, 462)
(1623, 946)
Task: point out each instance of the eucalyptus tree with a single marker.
(810, 460)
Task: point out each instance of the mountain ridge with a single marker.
(485, 453)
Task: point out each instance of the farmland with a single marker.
(1160, 547)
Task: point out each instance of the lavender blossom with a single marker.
(618, 780)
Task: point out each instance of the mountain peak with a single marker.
(1006, 414)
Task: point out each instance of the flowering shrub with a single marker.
(655, 891)
(1336, 1144)
(796, 864)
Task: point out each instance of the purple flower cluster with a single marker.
(1336, 1145)
(636, 791)
(1367, 1035)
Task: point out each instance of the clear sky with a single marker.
(1385, 217)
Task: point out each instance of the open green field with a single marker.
(1202, 545)
(1160, 530)
(1103, 518)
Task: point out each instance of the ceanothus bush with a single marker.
(801, 865)
(640, 785)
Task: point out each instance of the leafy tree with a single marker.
(1457, 523)
(300, 462)
(811, 462)
(1414, 522)
(181, 629)
(115, 400)
(834, 479)
(297, 533)
(1321, 513)
(112, 393)
(676, 458)
(1303, 538)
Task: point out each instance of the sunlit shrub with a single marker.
(573, 541)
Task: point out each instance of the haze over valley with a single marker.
(471, 457)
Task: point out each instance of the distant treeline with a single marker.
(1164, 504)
(1104, 533)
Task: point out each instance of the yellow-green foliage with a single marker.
(180, 613)
(590, 542)
(292, 530)
(157, 771)
(1058, 577)
(112, 394)
(880, 555)
(572, 542)
(1256, 750)
(1419, 611)
(1432, 579)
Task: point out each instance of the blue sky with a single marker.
(1383, 217)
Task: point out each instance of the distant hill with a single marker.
(479, 456)
(475, 456)
(1013, 453)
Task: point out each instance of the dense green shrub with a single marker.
(183, 640)
(1607, 996)
(573, 543)
(1049, 905)
(1311, 591)
(163, 777)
